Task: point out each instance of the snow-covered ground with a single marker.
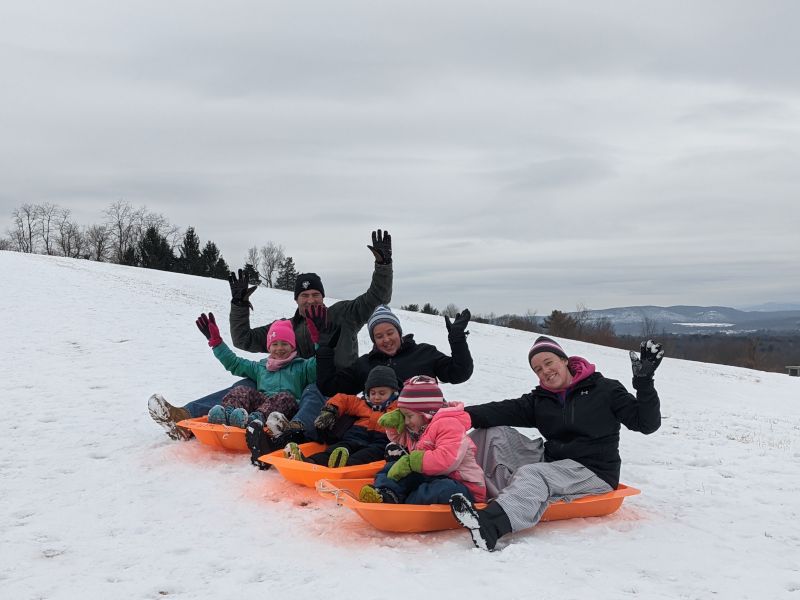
(96, 502)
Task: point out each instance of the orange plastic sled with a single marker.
(308, 474)
(417, 518)
(223, 437)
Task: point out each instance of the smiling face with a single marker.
(280, 349)
(551, 370)
(387, 338)
(308, 298)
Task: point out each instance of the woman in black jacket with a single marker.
(392, 349)
(579, 412)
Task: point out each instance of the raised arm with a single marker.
(457, 367)
(238, 366)
(642, 412)
(244, 338)
(359, 309)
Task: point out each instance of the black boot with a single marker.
(486, 526)
(259, 442)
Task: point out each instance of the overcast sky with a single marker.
(524, 155)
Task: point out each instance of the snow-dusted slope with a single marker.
(95, 502)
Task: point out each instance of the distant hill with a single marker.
(699, 319)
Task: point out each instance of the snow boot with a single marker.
(259, 443)
(217, 415)
(371, 494)
(338, 458)
(292, 452)
(168, 416)
(238, 418)
(278, 424)
(256, 415)
(485, 526)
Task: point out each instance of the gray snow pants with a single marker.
(521, 483)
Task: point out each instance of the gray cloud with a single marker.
(524, 155)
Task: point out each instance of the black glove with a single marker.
(458, 326)
(393, 452)
(646, 363)
(327, 417)
(329, 334)
(240, 292)
(381, 247)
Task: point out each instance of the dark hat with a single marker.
(307, 281)
(545, 344)
(381, 376)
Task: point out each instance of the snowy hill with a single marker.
(95, 502)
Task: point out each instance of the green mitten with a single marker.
(402, 468)
(415, 460)
(369, 494)
(338, 458)
(393, 420)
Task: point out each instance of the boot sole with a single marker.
(467, 517)
(161, 415)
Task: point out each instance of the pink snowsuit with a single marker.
(448, 449)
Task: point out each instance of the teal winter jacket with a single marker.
(292, 378)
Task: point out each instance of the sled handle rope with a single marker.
(326, 487)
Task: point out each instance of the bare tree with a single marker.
(582, 317)
(98, 242)
(253, 258)
(70, 240)
(271, 257)
(451, 310)
(147, 219)
(649, 327)
(46, 217)
(6, 244)
(122, 223)
(24, 234)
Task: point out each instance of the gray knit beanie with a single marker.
(383, 314)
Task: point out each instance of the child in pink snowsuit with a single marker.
(441, 457)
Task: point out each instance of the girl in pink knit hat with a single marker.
(280, 378)
(440, 460)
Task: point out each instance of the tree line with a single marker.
(761, 350)
(137, 237)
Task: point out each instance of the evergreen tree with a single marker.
(252, 275)
(287, 274)
(189, 254)
(129, 257)
(220, 269)
(154, 251)
(428, 309)
(410, 307)
(209, 258)
(561, 324)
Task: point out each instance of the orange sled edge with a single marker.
(417, 518)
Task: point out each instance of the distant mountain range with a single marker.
(702, 319)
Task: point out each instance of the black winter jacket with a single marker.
(586, 427)
(411, 359)
(351, 315)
